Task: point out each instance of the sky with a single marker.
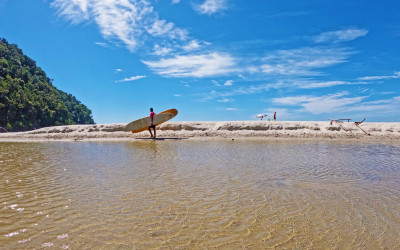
(216, 60)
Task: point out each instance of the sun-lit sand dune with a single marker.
(227, 129)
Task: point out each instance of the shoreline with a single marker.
(237, 130)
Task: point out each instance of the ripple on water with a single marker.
(200, 194)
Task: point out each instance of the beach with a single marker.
(386, 131)
(201, 185)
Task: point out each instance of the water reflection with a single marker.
(199, 194)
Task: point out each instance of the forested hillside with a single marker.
(28, 99)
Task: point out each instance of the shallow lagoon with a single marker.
(200, 194)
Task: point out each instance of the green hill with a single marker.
(29, 100)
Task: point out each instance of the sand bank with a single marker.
(232, 129)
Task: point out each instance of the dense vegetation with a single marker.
(28, 99)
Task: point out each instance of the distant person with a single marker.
(275, 116)
(152, 126)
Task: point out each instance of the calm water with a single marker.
(199, 194)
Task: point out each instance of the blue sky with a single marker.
(216, 60)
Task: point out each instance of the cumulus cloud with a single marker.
(199, 66)
(340, 35)
(126, 21)
(210, 7)
(132, 78)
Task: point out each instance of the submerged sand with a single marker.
(200, 194)
(226, 129)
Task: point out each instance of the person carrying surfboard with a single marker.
(152, 126)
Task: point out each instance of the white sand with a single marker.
(387, 131)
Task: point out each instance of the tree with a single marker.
(28, 98)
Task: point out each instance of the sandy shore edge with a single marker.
(385, 131)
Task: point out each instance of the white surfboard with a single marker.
(144, 123)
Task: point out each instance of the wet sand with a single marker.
(386, 131)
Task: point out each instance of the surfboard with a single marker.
(143, 124)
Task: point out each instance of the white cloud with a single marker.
(293, 100)
(225, 100)
(387, 93)
(160, 27)
(321, 104)
(340, 35)
(386, 106)
(199, 66)
(330, 103)
(314, 85)
(279, 84)
(396, 75)
(132, 78)
(252, 89)
(175, 1)
(161, 51)
(223, 96)
(75, 10)
(227, 109)
(302, 61)
(101, 44)
(228, 83)
(336, 103)
(164, 28)
(194, 45)
(118, 70)
(127, 21)
(177, 95)
(209, 7)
